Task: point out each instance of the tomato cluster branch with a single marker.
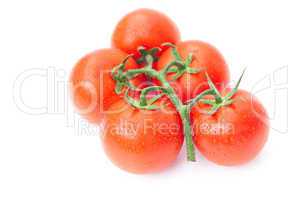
(177, 67)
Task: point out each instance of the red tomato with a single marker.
(235, 134)
(142, 141)
(144, 27)
(206, 57)
(92, 87)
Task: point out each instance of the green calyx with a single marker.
(218, 101)
(120, 78)
(176, 68)
(144, 53)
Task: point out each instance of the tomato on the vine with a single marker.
(142, 141)
(92, 88)
(144, 27)
(235, 133)
(206, 58)
(176, 96)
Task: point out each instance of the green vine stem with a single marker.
(177, 67)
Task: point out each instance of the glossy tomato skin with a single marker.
(140, 141)
(235, 134)
(207, 58)
(144, 27)
(92, 88)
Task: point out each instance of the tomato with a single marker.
(235, 134)
(92, 88)
(205, 57)
(144, 27)
(142, 141)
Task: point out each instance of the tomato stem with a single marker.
(179, 67)
(186, 122)
(184, 112)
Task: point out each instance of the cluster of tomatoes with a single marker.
(232, 131)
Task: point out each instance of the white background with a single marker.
(54, 155)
